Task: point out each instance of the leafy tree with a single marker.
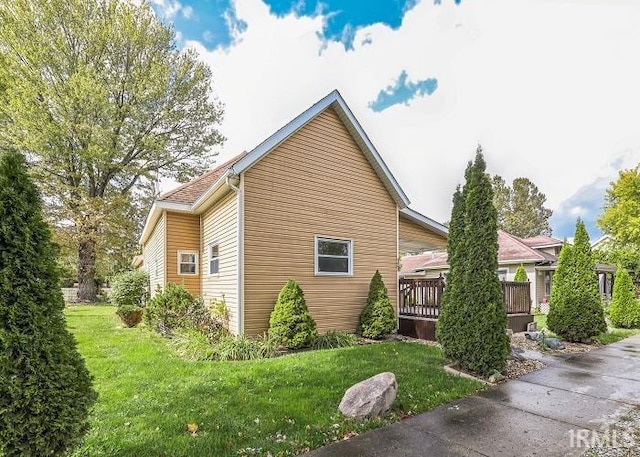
(473, 319)
(104, 104)
(377, 318)
(576, 312)
(521, 274)
(625, 308)
(45, 389)
(625, 255)
(621, 215)
(291, 323)
(520, 207)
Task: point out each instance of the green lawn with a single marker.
(281, 406)
(611, 336)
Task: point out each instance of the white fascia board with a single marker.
(154, 214)
(211, 190)
(425, 221)
(335, 100)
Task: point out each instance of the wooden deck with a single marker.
(420, 301)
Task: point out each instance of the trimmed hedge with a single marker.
(290, 323)
(377, 318)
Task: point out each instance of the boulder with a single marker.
(553, 343)
(371, 397)
(516, 353)
(535, 336)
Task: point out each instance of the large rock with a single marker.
(371, 397)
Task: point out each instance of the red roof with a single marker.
(542, 240)
(190, 191)
(510, 250)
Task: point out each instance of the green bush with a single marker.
(45, 388)
(176, 308)
(290, 323)
(190, 344)
(335, 339)
(129, 292)
(625, 308)
(130, 288)
(521, 274)
(575, 309)
(377, 318)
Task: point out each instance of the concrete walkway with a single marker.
(550, 412)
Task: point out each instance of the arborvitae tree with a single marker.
(576, 312)
(451, 317)
(625, 308)
(290, 323)
(488, 344)
(377, 318)
(45, 388)
(473, 320)
(521, 274)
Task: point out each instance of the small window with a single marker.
(187, 263)
(214, 259)
(334, 256)
(502, 273)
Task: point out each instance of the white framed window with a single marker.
(502, 273)
(187, 263)
(333, 256)
(214, 259)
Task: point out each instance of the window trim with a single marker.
(195, 254)
(209, 247)
(318, 238)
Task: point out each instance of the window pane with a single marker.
(333, 247)
(214, 251)
(188, 268)
(187, 258)
(214, 266)
(333, 265)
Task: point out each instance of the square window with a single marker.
(187, 263)
(333, 256)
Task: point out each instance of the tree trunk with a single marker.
(87, 290)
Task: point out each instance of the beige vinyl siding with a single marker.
(183, 235)
(316, 183)
(153, 253)
(412, 232)
(220, 225)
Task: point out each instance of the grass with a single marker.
(612, 335)
(281, 406)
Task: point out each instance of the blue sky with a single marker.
(548, 88)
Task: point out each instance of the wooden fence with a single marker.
(423, 297)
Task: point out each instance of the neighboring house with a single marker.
(314, 202)
(538, 255)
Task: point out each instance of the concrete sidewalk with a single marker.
(543, 413)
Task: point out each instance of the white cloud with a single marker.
(167, 8)
(187, 12)
(548, 88)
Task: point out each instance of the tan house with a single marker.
(314, 202)
(538, 255)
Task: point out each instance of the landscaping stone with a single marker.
(534, 336)
(371, 397)
(516, 353)
(553, 343)
(496, 377)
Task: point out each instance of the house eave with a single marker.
(424, 221)
(154, 214)
(335, 101)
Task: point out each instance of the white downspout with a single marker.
(237, 188)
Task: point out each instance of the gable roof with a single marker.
(191, 197)
(510, 250)
(333, 100)
(541, 241)
(190, 191)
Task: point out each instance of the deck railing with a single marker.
(423, 297)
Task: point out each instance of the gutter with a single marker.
(234, 182)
